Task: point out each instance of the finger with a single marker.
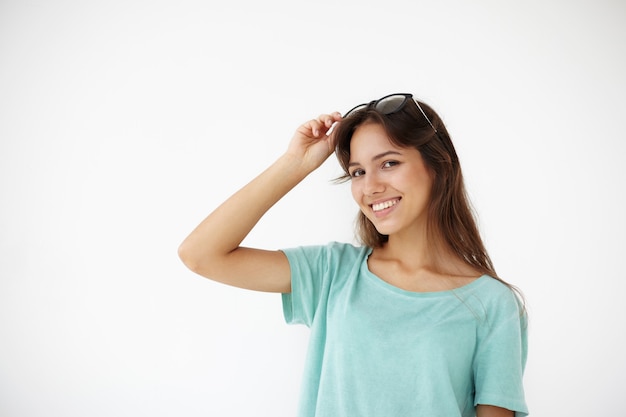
(325, 120)
(329, 119)
(313, 126)
(320, 126)
(332, 131)
(337, 117)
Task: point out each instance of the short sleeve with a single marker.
(501, 355)
(309, 266)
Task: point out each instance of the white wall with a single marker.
(124, 122)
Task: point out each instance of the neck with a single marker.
(415, 251)
(413, 248)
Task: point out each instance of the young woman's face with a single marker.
(390, 184)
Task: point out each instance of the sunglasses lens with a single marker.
(391, 104)
(386, 105)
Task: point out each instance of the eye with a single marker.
(357, 173)
(390, 164)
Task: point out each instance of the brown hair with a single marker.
(451, 223)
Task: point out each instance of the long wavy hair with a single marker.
(451, 223)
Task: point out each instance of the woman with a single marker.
(413, 323)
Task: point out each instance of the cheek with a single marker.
(419, 179)
(355, 189)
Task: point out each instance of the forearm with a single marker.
(225, 228)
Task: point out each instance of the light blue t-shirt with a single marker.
(377, 350)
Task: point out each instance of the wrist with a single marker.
(295, 165)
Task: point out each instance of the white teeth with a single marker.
(384, 205)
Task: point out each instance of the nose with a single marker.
(373, 184)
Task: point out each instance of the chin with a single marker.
(385, 230)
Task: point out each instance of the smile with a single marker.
(384, 205)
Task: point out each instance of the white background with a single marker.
(124, 122)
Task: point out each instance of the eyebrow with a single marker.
(376, 157)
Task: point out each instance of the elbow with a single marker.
(202, 260)
(197, 260)
(189, 257)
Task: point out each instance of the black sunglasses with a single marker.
(390, 104)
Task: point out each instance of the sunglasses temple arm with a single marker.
(426, 117)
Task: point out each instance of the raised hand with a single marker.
(311, 144)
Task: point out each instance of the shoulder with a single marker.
(333, 257)
(329, 251)
(495, 288)
(495, 298)
(323, 265)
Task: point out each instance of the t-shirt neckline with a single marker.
(429, 294)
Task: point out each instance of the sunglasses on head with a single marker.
(390, 104)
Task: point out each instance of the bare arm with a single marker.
(493, 411)
(213, 248)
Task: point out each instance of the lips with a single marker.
(383, 205)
